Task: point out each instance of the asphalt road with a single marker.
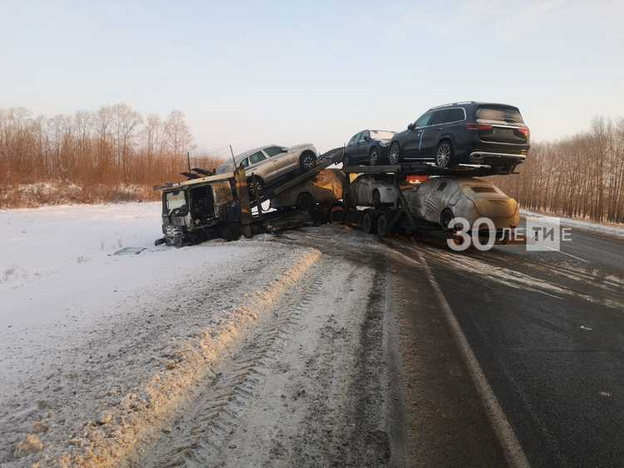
(546, 329)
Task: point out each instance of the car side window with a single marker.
(274, 150)
(256, 158)
(439, 117)
(363, 136)
(455, 115)
(423, 120)
(245, 162)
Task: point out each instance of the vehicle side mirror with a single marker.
(411, 127)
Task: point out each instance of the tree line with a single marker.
(94, 151)
(114, 153)
(581, 176)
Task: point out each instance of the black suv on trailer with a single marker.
(464, 133)
(368, 146)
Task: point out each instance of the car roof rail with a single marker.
(454, 104)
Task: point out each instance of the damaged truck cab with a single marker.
(196, 210)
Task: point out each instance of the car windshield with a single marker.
(500, 114)
(175, 200)
(381, 134)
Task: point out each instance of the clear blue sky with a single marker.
(288, 72)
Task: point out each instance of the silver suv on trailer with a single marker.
(267, 164)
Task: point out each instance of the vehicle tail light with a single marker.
(416, 179)
(524, 131)
(479, 127)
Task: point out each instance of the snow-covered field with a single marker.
(59, 274)
(83, 330)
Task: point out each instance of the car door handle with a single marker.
(440, 129)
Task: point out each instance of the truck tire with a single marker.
(382, 225)
(368, 223)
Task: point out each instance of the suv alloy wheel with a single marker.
(308, 161)
(394, 154)
(373, 157)
(444, 154)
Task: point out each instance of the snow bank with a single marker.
(614, 230)
(91, 340)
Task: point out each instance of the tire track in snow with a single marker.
(144, 412)
(216, 412)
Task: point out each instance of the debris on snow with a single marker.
(32, 444)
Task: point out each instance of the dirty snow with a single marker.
(615, 230)
(83, 331)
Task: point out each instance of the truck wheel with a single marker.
(305, 201)
(368, 225)
(382, 225)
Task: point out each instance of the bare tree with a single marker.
(581, 176)
(94, 151)
(126, 122)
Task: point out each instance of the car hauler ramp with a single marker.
(334, 156)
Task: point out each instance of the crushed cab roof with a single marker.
(200, 181)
